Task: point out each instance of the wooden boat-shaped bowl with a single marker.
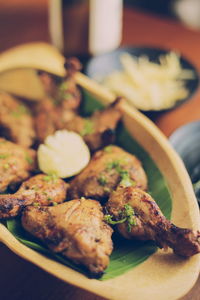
(163, 275)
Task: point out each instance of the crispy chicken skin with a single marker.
(104, 172)
(76, 229)
(65, 89)
(38, 190)
(50, 118)
(16, 122)
(16, 163)
(98, 130)
(61, 105)
(150, 223)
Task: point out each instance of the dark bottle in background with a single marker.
(82, 27)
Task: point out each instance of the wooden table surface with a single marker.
(20, 280)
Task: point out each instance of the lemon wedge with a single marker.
(64, 154)
(36, 55)
(19, 65)
(23, 83)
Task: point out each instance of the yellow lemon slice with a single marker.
(23, 83)
(37, 55)
(19, 65)
(64, 154)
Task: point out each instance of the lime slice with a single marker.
(64, 154)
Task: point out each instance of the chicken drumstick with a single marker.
(139, 217)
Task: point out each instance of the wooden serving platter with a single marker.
(164, 275)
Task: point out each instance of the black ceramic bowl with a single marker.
(186, 141)
(100, 66)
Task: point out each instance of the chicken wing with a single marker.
(16, 163)
(50, 118)
(76, 229)
(138, 217)
(98, 130)
(39, 190)
(61, 105)
(104, 172)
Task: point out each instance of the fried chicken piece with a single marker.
(104, 172)
(75, 229)
(16, 122)
(16, 163)
(99, 130)
(39, 190)
(68, 93)
(146, 222)
(61, 105)
(49, 83)
(50, 118)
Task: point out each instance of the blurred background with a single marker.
(20, 17)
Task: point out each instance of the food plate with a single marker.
(163, 275)
(102, 65)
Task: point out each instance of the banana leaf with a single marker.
(126, 254)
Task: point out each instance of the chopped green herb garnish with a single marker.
(47, 178)
(130, 214)
(67, 96)
(128, 210)
(113, 165)
(21, 110)
(35, 188)
(109, 220)
(63, 86)
(63, 94)
(102, 180)
(6, 166)
(88, 127)
(29, 159)
(36, 204)
(49, 199)
(107, 189)
(126, 180)
(55, 203)
(127, 215)
(108, 149)
(45, 193)
(117, 165)
(50, 177)
(3, 156)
